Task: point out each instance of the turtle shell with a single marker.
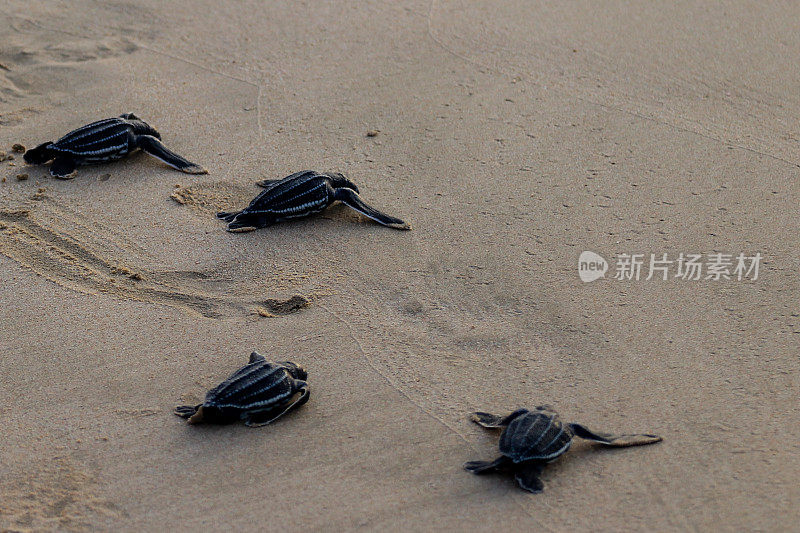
(103, 140)
(256, 386)
(297, 195)
(538, 434)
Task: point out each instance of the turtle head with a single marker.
(39, 155)
(296, 371)
(339, 180)
(140, 127)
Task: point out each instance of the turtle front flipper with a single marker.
(527, 476)
(63, 167)
(483, 467)
(617, 441)
(351, 199)
(491, 421)
(156, 148)
(256, 419)
(186, 411)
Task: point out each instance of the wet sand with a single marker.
(512, 136)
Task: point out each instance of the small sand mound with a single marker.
(211, 197)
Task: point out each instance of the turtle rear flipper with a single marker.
(240, 221)
(352, 200)
(527, 476)
(267, 183)
(483, 467)
(156, 148)
(617, 441)
(63, 167)
(256, 419)
(186, 411)
(227, 216)
(491, 421)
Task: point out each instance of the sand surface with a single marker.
(512, 135)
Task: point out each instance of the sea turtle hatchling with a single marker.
(299, 195)
(103, 141)
(531, 439)
(258, 393)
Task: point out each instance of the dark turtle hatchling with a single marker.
(258, 393)
(531, 439)
(103, 141)
(299, 195)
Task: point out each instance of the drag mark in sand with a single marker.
(61, 258)
(53, 242)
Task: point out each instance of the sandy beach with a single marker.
(513, 136)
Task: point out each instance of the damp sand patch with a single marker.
(272, 307)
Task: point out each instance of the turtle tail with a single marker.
(39, 155)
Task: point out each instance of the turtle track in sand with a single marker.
(31, 51)
(57, 494)
(77, 253)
